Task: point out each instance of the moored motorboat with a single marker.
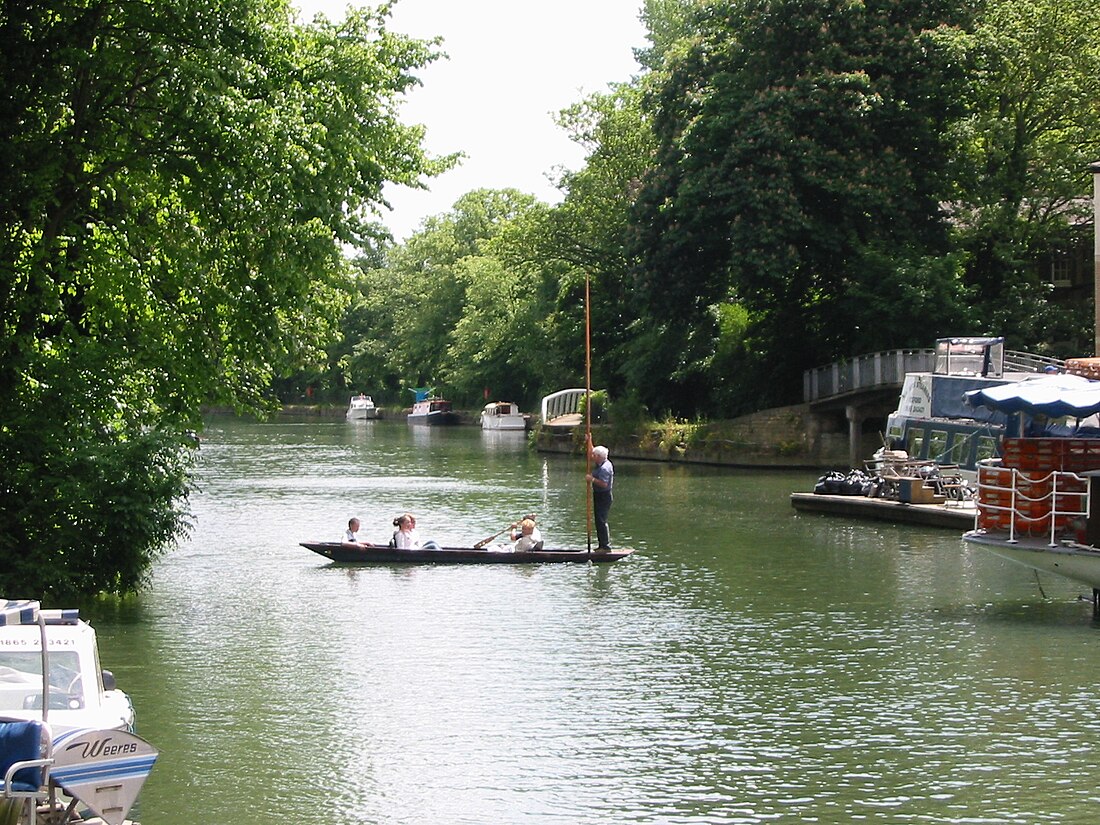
(932, 422)
(1039, 504)
(502, 415)
(88, 765)
(433, 412)
(361, 408)
(78, 694)
(350, 554)
(934, 440)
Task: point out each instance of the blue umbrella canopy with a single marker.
(1054, 396)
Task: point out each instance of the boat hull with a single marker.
(503, 422)
(434, 419)
(1078, 562)
(335, 551)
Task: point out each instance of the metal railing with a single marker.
(888, 368)
(1016, 361)
(1017, 501)
(562, 402)
(865, 372)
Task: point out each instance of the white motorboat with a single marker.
(78, 694)
(502, 415)
(1039, 504)
(361, 408)
(89, 765)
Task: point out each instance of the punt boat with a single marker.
(351, 554)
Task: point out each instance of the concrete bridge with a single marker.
(844, 409)
(866, 388)
(858, 390)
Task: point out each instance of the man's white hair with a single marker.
(600, 452)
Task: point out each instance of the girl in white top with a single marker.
(406, 537)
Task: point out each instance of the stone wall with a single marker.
(789, 437)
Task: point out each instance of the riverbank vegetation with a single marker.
(783, 184)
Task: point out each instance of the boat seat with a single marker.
(26, 754)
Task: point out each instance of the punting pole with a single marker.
(588, 405)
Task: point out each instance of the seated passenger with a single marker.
(405, 537)
(517, 533)
(351, 537)
(527, 540)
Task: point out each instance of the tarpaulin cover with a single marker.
(1054, 396)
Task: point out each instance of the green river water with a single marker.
(748, 665)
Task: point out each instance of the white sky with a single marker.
(511, 65)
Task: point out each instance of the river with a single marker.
(748, 664)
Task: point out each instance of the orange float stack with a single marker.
(1085, 367)
(995, 499)
(1068, 455)
(1041, 489)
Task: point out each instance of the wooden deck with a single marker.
(567, 421)
(948, 516)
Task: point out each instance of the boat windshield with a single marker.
(970, 356)
(21, 681)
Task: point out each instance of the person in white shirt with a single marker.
(350, 536)
(406, 537)
(527, 540)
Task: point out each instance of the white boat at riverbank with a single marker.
(65, 722)
(934, 440)
(361, 408)
(933, 423)
(502, 415)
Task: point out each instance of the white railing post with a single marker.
(1053, 506)
(1012, 508)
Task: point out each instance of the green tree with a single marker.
(429, 278)
(178, 180)
(800, 145)
(497, 343)
(586, 234)
(1030, 126)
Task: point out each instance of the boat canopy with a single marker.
(1055, 396)
(22, 611)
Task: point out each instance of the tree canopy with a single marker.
(178, 181)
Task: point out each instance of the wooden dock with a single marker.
(958, 517)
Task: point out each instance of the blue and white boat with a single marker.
(86, 764)
(933, 421)
(430, 410)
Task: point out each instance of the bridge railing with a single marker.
(865, 372)
(562, 402)
(1016, 361)
(880, 369)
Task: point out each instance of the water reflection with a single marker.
(750, 664)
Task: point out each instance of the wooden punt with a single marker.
(348, 554)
